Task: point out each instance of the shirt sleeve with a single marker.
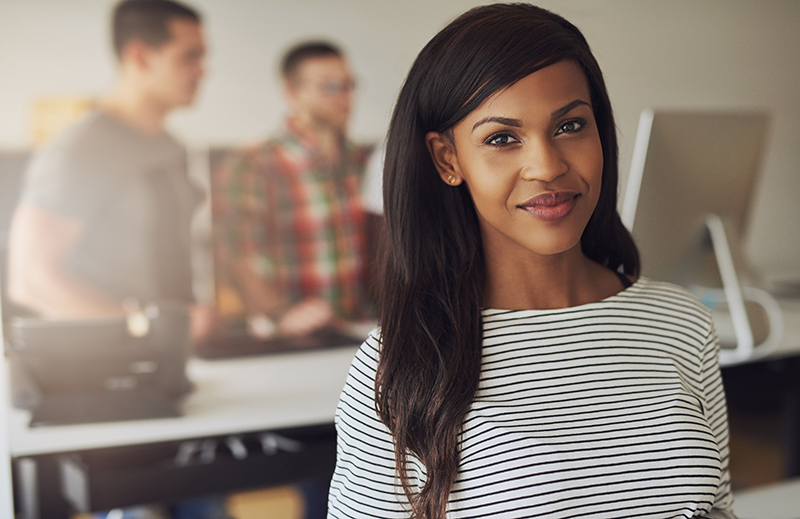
(718, 420)
(68, 180)
(364, 484)
(240, 209)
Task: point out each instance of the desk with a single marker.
(789, 344)
(778, 501)
(237, 396)
(769, 380)
(232, 396)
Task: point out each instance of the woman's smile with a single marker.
(551, 206)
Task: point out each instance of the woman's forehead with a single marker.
(548, 88)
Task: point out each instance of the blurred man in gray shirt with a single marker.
(106, 207)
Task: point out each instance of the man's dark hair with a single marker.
(146, 20)
(295, 56)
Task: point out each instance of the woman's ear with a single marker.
(444, 157)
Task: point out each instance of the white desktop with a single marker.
(232, 397)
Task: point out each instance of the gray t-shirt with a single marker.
(132, 194)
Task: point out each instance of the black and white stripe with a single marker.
(611, 409)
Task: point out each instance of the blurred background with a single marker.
(717, 54)
(55, 58)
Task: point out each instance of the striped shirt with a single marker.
(609, 409)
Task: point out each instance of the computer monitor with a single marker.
(12, 172)
(687, 202)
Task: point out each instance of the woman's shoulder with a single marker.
(666, 301)
(642, 293)
(367, 355)
(645, 299)
(649, 289)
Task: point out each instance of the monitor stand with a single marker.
(732, 289)
(735, 296)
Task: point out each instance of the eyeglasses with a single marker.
(333, 88)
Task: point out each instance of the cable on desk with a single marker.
(272, 443)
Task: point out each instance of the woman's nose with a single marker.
(543, 161)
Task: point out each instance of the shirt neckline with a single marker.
(635, 285)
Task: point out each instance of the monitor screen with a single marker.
(687, 201)
(686, 166)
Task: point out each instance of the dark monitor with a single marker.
(12, 173)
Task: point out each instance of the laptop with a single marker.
(94, 370)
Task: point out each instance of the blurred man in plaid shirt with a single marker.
(288, 213)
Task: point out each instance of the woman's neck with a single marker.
(534, 282)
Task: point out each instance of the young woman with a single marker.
(521, 369)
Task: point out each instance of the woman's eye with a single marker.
(570, 127)
(500, 139)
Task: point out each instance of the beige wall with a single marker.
(661, 54)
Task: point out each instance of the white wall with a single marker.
(661, 54)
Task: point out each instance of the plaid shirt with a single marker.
(296, 218)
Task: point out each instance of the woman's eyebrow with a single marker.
(501, 120)
(564, 110)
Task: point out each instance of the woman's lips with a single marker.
(551, 206)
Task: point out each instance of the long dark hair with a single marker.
(430, 307)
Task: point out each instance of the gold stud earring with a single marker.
(451, 179)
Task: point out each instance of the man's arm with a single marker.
(40, 242)
(260, 298)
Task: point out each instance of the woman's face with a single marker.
(531, 158)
